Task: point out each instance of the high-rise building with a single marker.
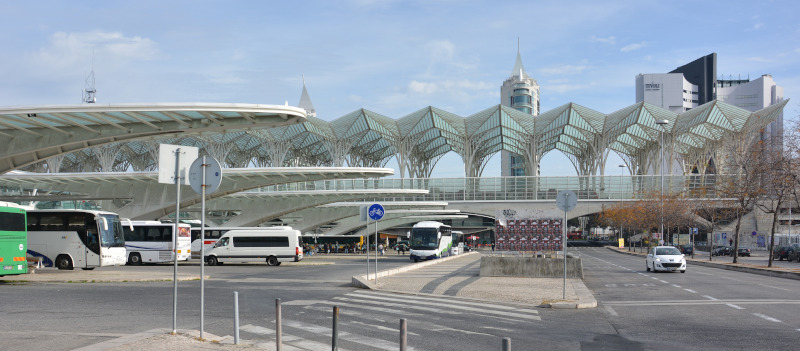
(753, 96)
(521, 92)
(683, 88)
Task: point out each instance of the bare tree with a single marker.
(743, 164)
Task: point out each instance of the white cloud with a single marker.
(759, 59)
(67, 50)
(758, 26)
(632, 47)
(610, 40)
(565, 69)
(416, 87)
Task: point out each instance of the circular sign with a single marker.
(375, 212)
(213, 174)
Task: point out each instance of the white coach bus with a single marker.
(151, 242)
(70, 239)
(272, 245)
(430, 240)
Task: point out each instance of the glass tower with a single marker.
(521, 92)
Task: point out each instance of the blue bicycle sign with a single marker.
(375, 212)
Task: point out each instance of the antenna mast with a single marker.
(89, 92)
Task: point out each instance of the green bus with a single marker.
(13, 239)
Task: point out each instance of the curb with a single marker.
(362, 281)
(730, 266)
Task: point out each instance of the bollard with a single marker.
(278, 328)
(403, 334)
(335, 333)
(506, 344)
(236, 318)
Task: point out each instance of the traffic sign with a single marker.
(566, 200)
(375, 212)
(213, 175)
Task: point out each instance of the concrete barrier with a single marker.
(364, 281)
(530, 267)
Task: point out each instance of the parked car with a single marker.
(687, 249)
(743, 251)
(665, 258)
(794, 255)
(722, 251)
(782, 253)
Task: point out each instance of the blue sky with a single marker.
(391, 57)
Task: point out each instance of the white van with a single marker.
(271, 244)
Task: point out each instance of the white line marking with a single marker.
(734, 306)
(691, 291)
(664, 281)
(775, 287)
(611, 311)
(677, 286)
(709, 297)
(767, 317)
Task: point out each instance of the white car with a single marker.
(665, 258)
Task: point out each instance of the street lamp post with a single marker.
(662, 123)
(622, 197)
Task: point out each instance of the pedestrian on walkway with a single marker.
(380, 248)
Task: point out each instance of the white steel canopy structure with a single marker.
(418, 140)
(35, 133)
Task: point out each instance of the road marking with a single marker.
(325, 331)
(611, 311)
(709, 297)
(775, 287)
(664, 281)
(691, 291)
(767, 317)
(731, 303)
(734, 306)
(676, 285)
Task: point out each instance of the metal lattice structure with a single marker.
(418, 140)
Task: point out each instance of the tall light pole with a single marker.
(622, 197)
(662, 123)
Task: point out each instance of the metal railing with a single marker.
(522, 188)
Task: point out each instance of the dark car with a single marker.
(743, 251)
(782, 253)
(687, 249)
(794, 255)
(722, 251)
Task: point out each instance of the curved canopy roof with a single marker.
(35, 133)
(365, 138)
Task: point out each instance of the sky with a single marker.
(390, 57)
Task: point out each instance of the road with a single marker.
(705, 308)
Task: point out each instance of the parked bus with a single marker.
(272, 245)
(430, 240)
(151, 242)
(70, 239)
(13, 239)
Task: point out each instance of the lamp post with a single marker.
(662, 123)
(622, 198)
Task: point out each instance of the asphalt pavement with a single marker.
(456, 276)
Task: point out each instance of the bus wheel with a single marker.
(135, 258)
(212, 261)
(272, 261)
(88, 269)
(64, 262)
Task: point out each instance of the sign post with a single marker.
(566, 201)
(376, 212)
(205, 175)
(169, 172)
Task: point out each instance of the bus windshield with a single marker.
(424, 238)
(113, 235)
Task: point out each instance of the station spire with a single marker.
(305, 100)
(519, 69)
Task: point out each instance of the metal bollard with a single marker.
(278, 328)
(506, 344)
(335, 332)
(236, 318)
(403, 334)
